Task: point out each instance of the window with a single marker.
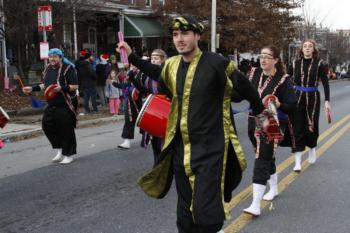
(148, 2)
(92, 35)
(67, 33)
(111, 35)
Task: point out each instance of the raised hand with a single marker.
(57, 89)
(125, 45)
(27, 90)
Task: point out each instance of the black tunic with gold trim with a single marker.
(201, 146)
(307, 74)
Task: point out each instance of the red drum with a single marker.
(4, 118)
(272, 130)
(153, 117)
(49, 93)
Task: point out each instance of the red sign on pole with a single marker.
(44, 18)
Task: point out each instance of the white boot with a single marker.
(222, 231)
(58, 156)
(125, 144)
(312, 155)
(258, 192)
(273, 192)
(66, 160)
(297, 156)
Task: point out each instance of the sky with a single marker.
(334, 14)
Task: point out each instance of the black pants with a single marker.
(156, 147)
(303, 136)
(58, 125)
(130, 116)
(185, 223)
(155, 142)
(128, 128)
(264, 164)
(90, 93)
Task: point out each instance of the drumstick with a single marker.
(123, 54)
(35, 102)
(20, 80)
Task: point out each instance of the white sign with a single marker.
(44, 50)
(44, 18)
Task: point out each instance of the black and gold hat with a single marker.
(186, 23)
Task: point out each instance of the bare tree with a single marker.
(243, 24)
(21, 24)
(311, 18)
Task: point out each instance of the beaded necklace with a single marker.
(262, 86)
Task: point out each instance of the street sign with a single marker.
(44, 50)
(44, 18)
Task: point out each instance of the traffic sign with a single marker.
(44, 18)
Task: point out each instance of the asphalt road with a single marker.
(98, 192)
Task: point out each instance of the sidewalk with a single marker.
(29, 126)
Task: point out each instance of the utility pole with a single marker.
(213, 26)
(75, 33)
(45, 41)
(121, 20)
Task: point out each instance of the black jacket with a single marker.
(86, 75)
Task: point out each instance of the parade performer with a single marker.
(59, 120)
(201, 148)
(307, 72)
(146, 86)
(271, 81)
(132, 105)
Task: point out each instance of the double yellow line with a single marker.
(244, 219)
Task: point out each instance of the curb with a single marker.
(99, 121)
(27, 134)
(29, 111)
(19, 136)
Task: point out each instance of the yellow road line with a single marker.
(286, 163)
(244, 219)
(244, 194)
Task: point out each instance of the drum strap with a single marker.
(68, 98)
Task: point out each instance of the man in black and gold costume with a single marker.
(201, 148)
